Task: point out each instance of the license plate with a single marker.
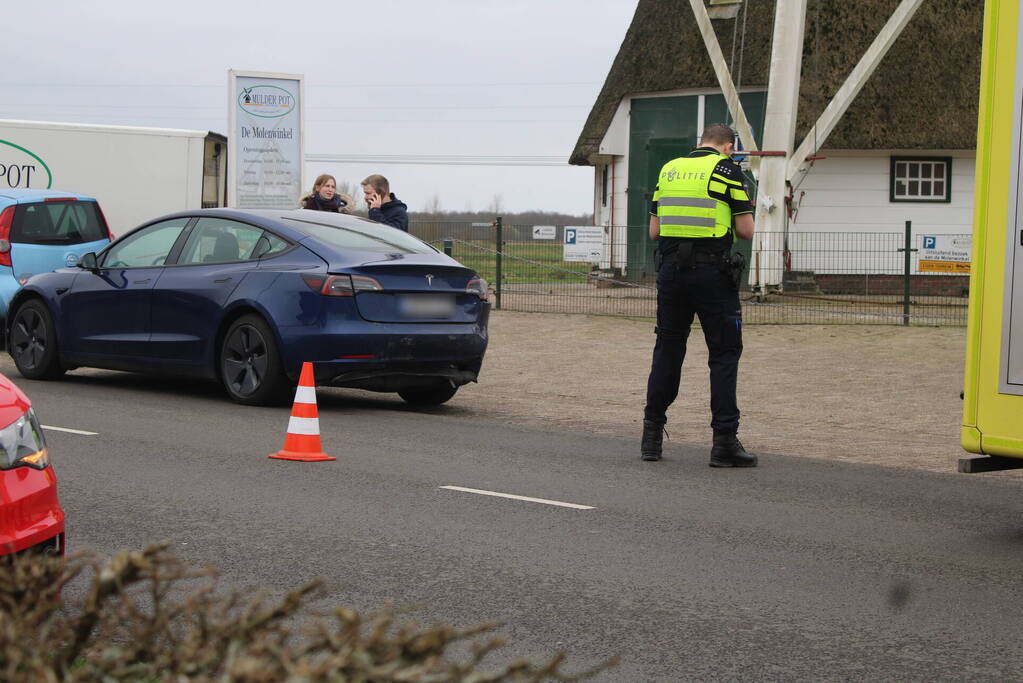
(427, 306)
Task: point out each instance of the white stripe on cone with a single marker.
(309, 426)
(305, 394)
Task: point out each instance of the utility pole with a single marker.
(779, 135)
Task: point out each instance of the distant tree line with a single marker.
(432, 211)
(507, 217)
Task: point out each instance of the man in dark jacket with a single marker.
(384, 207)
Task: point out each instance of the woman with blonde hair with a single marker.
(325, 196)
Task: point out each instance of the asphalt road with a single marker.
(800, 569)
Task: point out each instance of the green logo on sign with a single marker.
(266, 101)
(24, 172)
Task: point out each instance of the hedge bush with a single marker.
(146, 616)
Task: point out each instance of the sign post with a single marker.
(946, 254)
(544, 232)
(584, 243)
(266, 113)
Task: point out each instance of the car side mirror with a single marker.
(88, 261)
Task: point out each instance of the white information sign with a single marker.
(584, 243)
(265, 152)
(544, 232)
(947, 254)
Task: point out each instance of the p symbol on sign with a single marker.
(570, 237)
(930, 242)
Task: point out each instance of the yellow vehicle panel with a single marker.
(993, 392)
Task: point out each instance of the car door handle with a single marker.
(223, 279)
(140, 282)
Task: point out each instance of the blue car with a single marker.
(42, 230)
(246, 297)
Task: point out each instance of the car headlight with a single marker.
(22, 443)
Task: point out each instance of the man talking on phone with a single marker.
(384, 207)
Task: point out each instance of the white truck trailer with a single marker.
(135, 173)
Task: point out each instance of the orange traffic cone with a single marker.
(302, 442)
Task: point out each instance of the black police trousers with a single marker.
(706, 291)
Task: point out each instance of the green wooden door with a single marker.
(661, 129)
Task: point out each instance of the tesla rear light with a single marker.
(341, 285)
(22, 444)
(6, 217)
(477, 286)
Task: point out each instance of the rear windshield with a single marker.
(70, 222)
(364, 237)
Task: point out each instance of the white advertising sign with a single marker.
(948, 254)
(584, 243)
(265, 150)
(544, 232)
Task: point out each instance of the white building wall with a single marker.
(614, 214)
(848, 192)
(616, 137)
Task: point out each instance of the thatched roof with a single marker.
(923, 95)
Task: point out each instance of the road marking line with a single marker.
(70, 431)
(514, 497)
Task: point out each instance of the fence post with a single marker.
(499, 245)
(448, 246)
(906, 268)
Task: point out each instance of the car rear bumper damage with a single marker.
(394, 376)
(388, 357)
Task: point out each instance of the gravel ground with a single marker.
(884, 395)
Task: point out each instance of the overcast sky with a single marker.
(435, 77)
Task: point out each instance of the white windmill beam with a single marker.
(779, 135)
(717, 58)
(833, 113)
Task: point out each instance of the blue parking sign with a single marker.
(930, 242)
(569, 236)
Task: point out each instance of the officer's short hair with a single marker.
(718, 134)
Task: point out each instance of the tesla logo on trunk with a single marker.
(429, 281)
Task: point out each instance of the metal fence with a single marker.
(802, 277)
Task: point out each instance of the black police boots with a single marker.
(653, 436)
(728, 452)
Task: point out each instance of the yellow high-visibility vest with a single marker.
(684, 205)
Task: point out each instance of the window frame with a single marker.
(195, 225)
(947, 161)
(172, 255)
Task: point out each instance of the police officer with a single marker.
(699, 207)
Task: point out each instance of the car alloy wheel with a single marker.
(33, 343)
(249, 363)
(245, 360)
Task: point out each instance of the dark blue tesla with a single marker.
(245, 297)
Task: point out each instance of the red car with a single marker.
(30, 514)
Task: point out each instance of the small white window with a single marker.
(923, 179)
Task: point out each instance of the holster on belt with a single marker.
(733, 266)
